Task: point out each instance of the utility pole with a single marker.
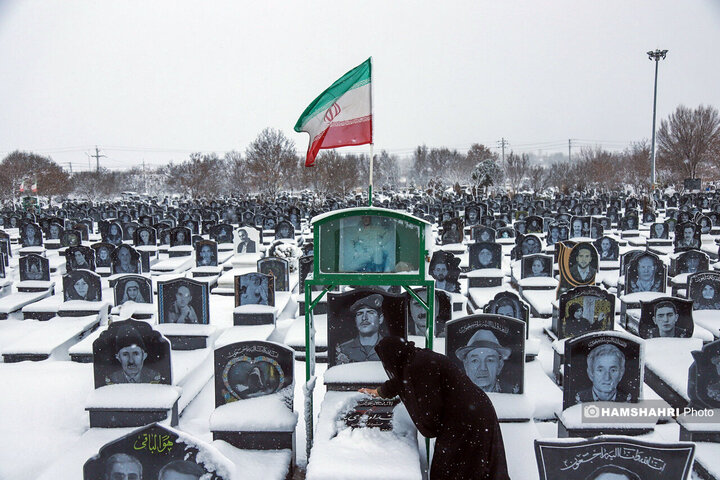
(70, 165)
(656, 55)
(97, 157)
(569, 150)
(502, 144)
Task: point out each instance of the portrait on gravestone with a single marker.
(534, 224)
(452, 231)
(284, 230)
(278, 268)
(31, 235)
(269, 222)
(596, 230)
(608, 249)
(34, 267)
(667, 317)
(183, 300)
(649, 217)
(252, 369)
(646, 273)
(55, 230)
(82, 285)
(606, 458)
(536, 265)
(578, 227)
(671, 224)
(704, 377)
(529, 245)
(505, 232)
(145, 236)
(254, 289)
(357, 320)
(509, 305)
(490, 349)
(129, 229)
(585, 309)
(79, 257)
(70, 238)
(659, 231)
(133, 288)
(164, 236)
(83, 228)
(687, 235)
(581, 264)
(445, 269)
(705, 224)
(193, 226)
(484, 255)
(206, 253)
(520, 227)
(114, 234)
(472, 216)
(180, 236)
(245, 243)
(130, 351)
(103, 252)
(480, 233)
(497, 224)
(704, 290)
(155, 452)
(222, 233)
(629, 221)
(691, 261)
(417, 315)
(125, 259)
(601, 367)
(367, 244)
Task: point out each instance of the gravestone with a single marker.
(254, 289)
(158, 452)
(79, 257)
(112, 234)
(284, 230)
(607, 248)
(659, 231)
(180, 236)
(82, 285)
(206, 253)
(690, 261)
(704, 290)
(480, 233)
(579, 227)
(509, 305)
(445, 269)
(584, 309)
(34, 267)
(534, 224)
(578, 265)
(529, 244)
(536, 265)
(103, 254)
(183, 300)
(248, 238)
(222, 233)
(483, 255)
(490, 349)
(129, 229)
(645, 273)
(687, 235)
(145, 236)
(704, 377)
(417, 316)
(31, 235)
(70, 238)
(613, 459)
(452, 231)
(357, 320)
(666, 317)
(133, 288)
(125, 259)
(278, 268)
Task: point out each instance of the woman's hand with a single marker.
(369, 391)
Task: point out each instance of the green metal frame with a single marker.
(330, 280)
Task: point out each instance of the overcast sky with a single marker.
(155, 80)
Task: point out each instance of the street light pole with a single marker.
(656, 55)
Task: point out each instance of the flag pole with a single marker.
(372, 131)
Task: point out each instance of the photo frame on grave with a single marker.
(206, 253)
(534, 224)
(145, 237)
(452, 231)
(596, 230)
(704, 377)
(631, 204)
(103, 254)
(254, 289)
(529, 245)
(510, 305)
(417, 316)
(252, 369)
(687, 235)
(193, 226)
(82, 285)
(704, 290)
(55, 231)
(278, 268)
(222, 233)
(133, 288)
(34, 267)
(183, 300)
(627, 257)
(445, 270)
(585, 309)
(248, 238)
(607, 248)
(3, 261)
(494, 342)
(666, 317)
(520, 215)
(206, 225)
(129, 230)
(505, 232)
(125, 259)
(113, 234)
(155, 451)
(472, 215)
(79, 257)
(480, 233)
(146, 220)
(564, 218)
(588, 356)
(691, 261)
(84, 228)
(645, 273)
(164, 236)
(358, 319)
(621, 458)
(31, 235)
(649, 217)
(284, 230)
(13, 221)
(268, 222)
(705, 223)
(520, 227)
(579, 226)
(578, 264)
(482, 255)
(70, 238)
(536, 265)
(660, 231)
(498, 223)
(180, 236)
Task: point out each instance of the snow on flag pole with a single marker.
(341, 116)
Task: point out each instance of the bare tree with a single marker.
(201, 173)
(18, 167)
(271, 159)
(538, 178)
(516, 168)
(635, 165)
(689, 138)
(487, 173)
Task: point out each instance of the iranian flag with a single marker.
(340, 116)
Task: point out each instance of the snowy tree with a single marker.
(271, 160)
(486, 173)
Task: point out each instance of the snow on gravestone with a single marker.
(490, 349)
(704, 290)
(134, 288)
(34, 267)
(613, 458)
(82, 285)
(183, 300)
(277, 268)
(584, 309)
(704, 377)
(158, 452)
(669, 317)
(602, 366)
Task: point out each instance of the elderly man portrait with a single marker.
(645, 281)
(605, 369)
(483, 359)
(131, 353)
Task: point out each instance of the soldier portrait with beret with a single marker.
(369, 319)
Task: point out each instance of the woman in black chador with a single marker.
(444, 403)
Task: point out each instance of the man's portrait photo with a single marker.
(245, 243)
(31, 235)
(445, 269)
(79, 257)
(206, 253)
(583, 263)
(646, 273)
(145, 236)
(530, 244)
(605, 370)
(369, 318)
(122, 466)
(181, 470)
(483, 359)
(183, 301)
(131, 353)
(666, 318)
(125, 259)
(367, 244)
(687, 235)
(483, 255)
